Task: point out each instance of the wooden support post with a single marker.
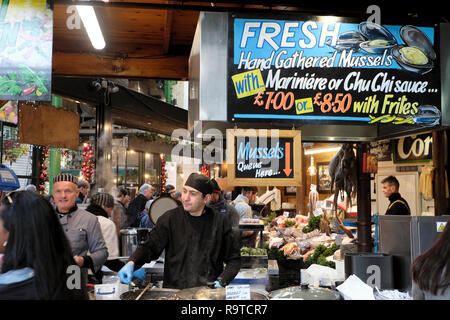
(363, 220)
(440, 202)
(103, 149)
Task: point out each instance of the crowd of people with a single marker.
(42, 237)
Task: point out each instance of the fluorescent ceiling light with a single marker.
(321, 150)
(92, 27)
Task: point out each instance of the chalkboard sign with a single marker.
(264, 157)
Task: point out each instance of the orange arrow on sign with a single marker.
(288, 169)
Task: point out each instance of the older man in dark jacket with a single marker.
(137, 205)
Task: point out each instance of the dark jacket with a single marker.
(195, 248)
(20, 285)
(134, 208)
(97, 210)
(22, 290)
(227, 210)
(398, 205)
(80, 199)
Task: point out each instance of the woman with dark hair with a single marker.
(431, 270)
(36, 252)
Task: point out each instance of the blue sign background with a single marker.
(266, 50)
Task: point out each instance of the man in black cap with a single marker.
(197, 241)
(81, 227)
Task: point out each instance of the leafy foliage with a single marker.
(321, 253)
(313, 224)
(24, 82)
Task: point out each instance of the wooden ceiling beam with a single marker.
(167, 30)
(92, 65)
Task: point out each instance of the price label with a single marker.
(338, 103)
(238, 292)
(318, 212)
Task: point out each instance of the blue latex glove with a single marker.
(126, 273)
(217, 284)
(140, 274)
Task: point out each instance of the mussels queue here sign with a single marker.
(332, 72)
(264, 157)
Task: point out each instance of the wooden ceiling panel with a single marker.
(183, 27)
(153, 38)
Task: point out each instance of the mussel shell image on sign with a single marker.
(379, 38)
(347, 41)
(427, 116)
(417, 54)
(415, 37)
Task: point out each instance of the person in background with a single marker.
(123, 196)
(242, 204)
(36, 251)
(219, 204)
(177, 196)
(244, 200)
(119, 214)
(430, 271)
(137, 205)
(144, 217)
(196, 239)
(31, 188)
(397, 205)
(81, 227)
(84, 188)
(228, 196)
(170, 190)
(101, 205)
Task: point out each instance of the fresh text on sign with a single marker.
(267, 32)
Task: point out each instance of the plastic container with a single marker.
(375, 269)
(258, 279)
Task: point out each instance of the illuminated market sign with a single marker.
(263, 157)
(413, 149)
(26, 42)
(332, 72)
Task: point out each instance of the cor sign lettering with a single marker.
(413, 149)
